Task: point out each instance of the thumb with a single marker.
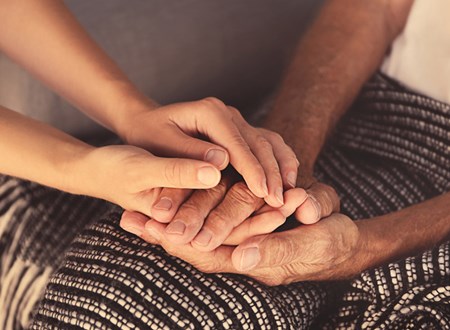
(271, 250)
(181, 173)
(322, 201)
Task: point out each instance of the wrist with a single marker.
(80, 171)
(374, 246)
(129, 109)
(124, 104)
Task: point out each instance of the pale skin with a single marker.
(339, 53)
(54, 47)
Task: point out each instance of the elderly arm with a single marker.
(342, 49)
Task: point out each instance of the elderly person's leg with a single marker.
(113, 280)
(392, 152)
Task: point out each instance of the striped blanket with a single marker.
(66, 264)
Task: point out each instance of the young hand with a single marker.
(132, 177)
(266, 163)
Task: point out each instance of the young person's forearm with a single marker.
(35, 151)
(342, 49)
(404, 233)
(45, 38)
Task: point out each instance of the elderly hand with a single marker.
(226, 214)
(178, 130)
(322, 201)
(328, 250)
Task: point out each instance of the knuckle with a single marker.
(173, 173)
(263, 143)
(236, 113)
(242, 194)
(218, 222)
(214, 102)
(188, 210)
(274, 136)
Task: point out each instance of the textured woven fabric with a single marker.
(391, 151)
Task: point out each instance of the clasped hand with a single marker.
(226, 226)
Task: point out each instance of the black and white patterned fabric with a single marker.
(66, 263)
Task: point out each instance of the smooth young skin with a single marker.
(55, 48)
(340, 52)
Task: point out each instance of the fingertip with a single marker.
(133, 222)
(154, 229)
(273, 201)
(291, 179)
(202, 240)
(208, 176)
(309, 212)
(162, 210)
(217, 157)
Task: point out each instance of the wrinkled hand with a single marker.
(322, 199)
(226, 214)
(328, 250)
(260, 156)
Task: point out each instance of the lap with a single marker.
(109, 279)
(117, 281)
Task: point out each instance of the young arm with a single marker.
(124, 175)
(45, 38)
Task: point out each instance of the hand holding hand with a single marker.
(132, 177)
(329, 250)
(226, 214)
(260, 156)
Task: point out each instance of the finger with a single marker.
(259, 224)
(133, 222)
(263, 151)
(322, 201)
(220, 128)
(191, 215)
(185, 146)
(168, 202)
(217, 261)
(286, 158)
(180, 173)
(238, 205)
(293, 198)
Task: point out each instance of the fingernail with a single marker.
(216, 157)
(208, 175)
(250, 258)
(164, 204)
(176, 227)
(291, 179)
(203, 238)
(134, 226)
(279, 195)
(264, 187)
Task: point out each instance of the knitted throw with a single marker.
(66, 263)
